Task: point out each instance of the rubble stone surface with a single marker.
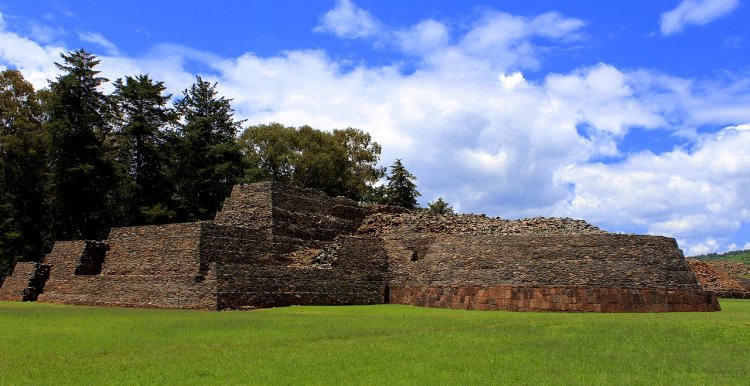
(725, 278)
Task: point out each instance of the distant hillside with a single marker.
(741, 256)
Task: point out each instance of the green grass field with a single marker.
(386, 344)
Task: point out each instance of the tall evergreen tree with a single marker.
(22, 166)
(400, 189)
(81, 177)
(210, 162)
(141, 151)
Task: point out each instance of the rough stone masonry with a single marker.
(272, 245)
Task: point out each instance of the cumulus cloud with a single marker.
(509, 40)
(426, 36)
(347, 20)
(480, 133)
(697, 196)
(695, 12)
(497, 39)
(36, 61)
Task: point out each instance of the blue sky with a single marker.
(632, 115)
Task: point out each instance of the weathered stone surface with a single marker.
(602, 260)
(273, 245)
(727, 279)
(152, 266)
(556, 298)
(15, 286)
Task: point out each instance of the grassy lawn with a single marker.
(741, 256)
(386, 344)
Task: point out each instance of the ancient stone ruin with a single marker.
(273, 245)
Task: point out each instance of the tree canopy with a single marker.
(340, 163)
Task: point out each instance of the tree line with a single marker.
(75, 161)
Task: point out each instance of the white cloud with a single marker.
(35, 61)
(689, 195)
(695, 12)
(347, 20)
(603, 97)
(512, 81)
(708, 245)
(98, 39)
(508, 40)
(427, 36)
(496, 39)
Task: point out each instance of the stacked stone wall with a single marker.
(584, 272)
(308, 214)
(15, 285)
(151, 266)
(606, 260)
(557, 298)
(248, 206)
(280, 263)
(255, 271)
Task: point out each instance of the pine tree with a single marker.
(210, 162)
(439, 206)
(400, 189)
(141, 151)
(81, 177)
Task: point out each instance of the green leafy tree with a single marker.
(400, 189)
(439, 206)
(270, 151)
(363, 155)
(209, 161)
(142, 153)
(341, 163)
(22, 167)
(81, 176)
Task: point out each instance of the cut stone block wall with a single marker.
(248, 206)
(598, 260)
(255, 271)
(151, 266)
(15, 285)
(585, 272)
(557, 298)
(310, 215)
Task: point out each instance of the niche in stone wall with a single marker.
(92, 258)
(36, 283)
